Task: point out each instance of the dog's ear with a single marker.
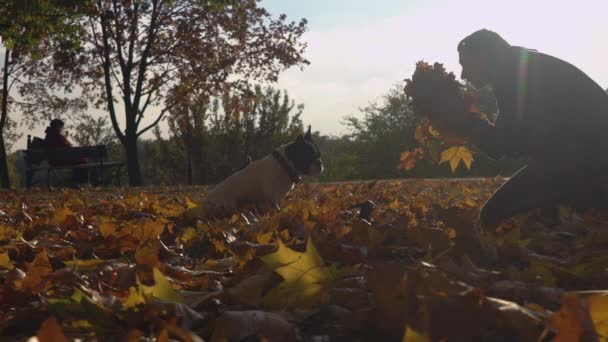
(308, 135)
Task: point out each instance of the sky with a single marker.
(359, 49)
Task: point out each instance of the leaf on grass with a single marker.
(134, 299)
(305, 276)
(282, 256)
(62, 214)
(454, 155)
(85, 265)
(573, 321)
(598, 308)
(5, 261)
(162, 288)
(107, 227)
(50, 331)
(412, 335)
(37, 271)
(80, 306)
(7, 232)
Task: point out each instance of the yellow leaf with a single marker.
(394, 204)
(37, 271)
(433, 132)
(81, 324)
(572, 321)
(282, 256)
(188, 234)
(409, 158)
(7, 232)
(412, 335)
(456, 154)
(83, 265)
(5, 261)
(265, 237)
(598, 308)
(162, 288)
(50, 331)
(305, 277)
(190, 204)
(107, 228)
(135, 298)
(163, 336)
(62, 214)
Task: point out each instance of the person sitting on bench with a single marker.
(56, 139)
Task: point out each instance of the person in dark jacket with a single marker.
(56, 139)
(550, 113)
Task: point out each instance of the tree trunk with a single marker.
(189, 151)
(4, 179)
(132, 160)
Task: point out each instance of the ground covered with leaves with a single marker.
(390, 260)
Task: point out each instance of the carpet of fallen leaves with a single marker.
(386, 260)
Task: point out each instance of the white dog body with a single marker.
(264, 182)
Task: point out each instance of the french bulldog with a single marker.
(265, 182)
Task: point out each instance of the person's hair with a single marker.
(57, 123)
(484, 42)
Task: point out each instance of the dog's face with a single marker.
(305, 155)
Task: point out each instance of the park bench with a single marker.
(36, 154)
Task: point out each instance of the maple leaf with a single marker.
(134, 299)
(409, 158)
(5, 261)
(456, 154)
(162, 288)
(62, 214)
(50, 331)
(598, 308)
(6, 232)
(37, 271)
(305, 276)
(572, 322)
(412, 335)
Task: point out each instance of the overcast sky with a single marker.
(358, 49)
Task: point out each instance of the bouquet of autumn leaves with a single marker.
(435, 97)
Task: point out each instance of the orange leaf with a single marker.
(37, 271)
(50, 331)
(409, 158)
(573, 321)
(420, 135)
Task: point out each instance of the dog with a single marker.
(265, 182)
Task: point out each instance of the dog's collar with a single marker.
(291, 171)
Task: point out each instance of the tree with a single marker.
(216, 138)
(145, 57)
(386, 129)
(91, 130)
(26, 28)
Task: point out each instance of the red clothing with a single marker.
(54, 139)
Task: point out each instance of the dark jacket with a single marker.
(549, 110)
